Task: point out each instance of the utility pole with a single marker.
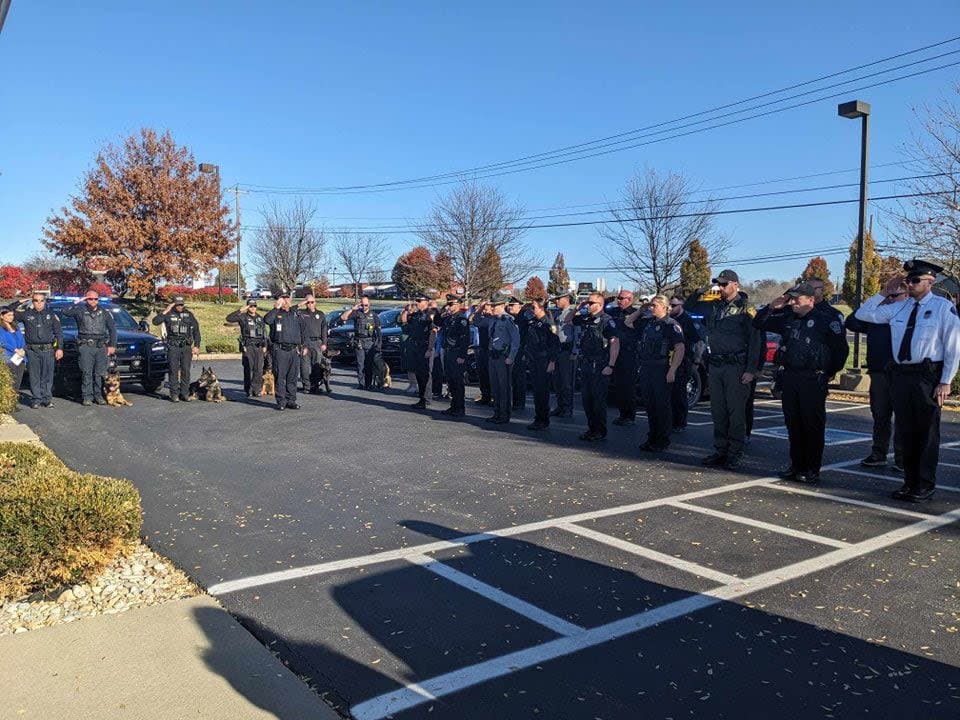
(236, 207)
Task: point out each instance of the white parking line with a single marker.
(411, 696)
(511, 602)
(800, 534)
(645, 552)
(848, 500)
(898, 480)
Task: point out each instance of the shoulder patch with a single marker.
(836, 327)
(751, 311)
(612, 324)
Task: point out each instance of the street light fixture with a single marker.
(852, 110)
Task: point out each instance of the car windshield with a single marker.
(123, 319)
(388, 318)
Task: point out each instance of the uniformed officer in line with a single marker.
(456, 342)
(314, 342)
(253, 346)
(597, 351)
(521, 316)
(734, 344)
(503, 347)
(287, 332)
(565, 365)
(822, 304)
(96, 341)
(542, 349)
(44, 339)
(368, 342)
(420, 329)
(925, 339)
(625, 371)
(813, 349)
(183, 344)
(483, 357)
(660, 352)
(679, 403)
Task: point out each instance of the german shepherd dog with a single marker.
(326, 368)
(387, 377)
(207, 387)
(111, 391)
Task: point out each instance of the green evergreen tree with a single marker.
(871, 272)
(559, 277)
(695, 270)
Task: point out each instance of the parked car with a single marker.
(341, 336)
(259, 293)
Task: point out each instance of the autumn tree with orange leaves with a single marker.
(147, 214)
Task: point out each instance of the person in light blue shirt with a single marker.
(14, 347)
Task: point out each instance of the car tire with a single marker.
(694, 388)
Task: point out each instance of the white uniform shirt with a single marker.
(936, 335)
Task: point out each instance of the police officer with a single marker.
(456, 342)
(314, 342)
(521, 317)
(925, 340)
(598, 349)
(419, 327)
(660, 352)
(813, 350)
(44, 338)
(822, 304)
(565, 365)
(483, 356)
(183, 344)
(96, 341)
(287, 332)
(542, 349)
(253, 345)
(368, 341)
(679, 403)
(502, 348)
(625, 372)
(734, 344)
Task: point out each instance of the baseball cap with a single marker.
(803, 288)
(251, 302)
(726, 276)
(178, 299)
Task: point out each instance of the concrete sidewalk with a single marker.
(185, 659)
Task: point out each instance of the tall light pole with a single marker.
(4, 9)
(236, 207)
(852, 110)
(211, 169)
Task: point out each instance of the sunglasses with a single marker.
(311, 302)
(594, 302)
(676, 304)
(916, 280)
(624, 298)
(722, 284)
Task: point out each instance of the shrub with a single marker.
(8, 393)
(222, 346)
(58, 526)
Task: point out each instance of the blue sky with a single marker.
(312, 94)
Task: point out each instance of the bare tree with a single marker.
(287, 247)
(929, 225)
(470, 225)
(654, 225)
(360, 254)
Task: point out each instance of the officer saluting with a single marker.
(503, 347)
(598, 350)
(925, 339)
(183, 344)
(44, 339)
(96, 341)
(286, 337)
(542, 349)
(253, 345)
(367, 338)
(420, 328)
(456, 341)
(314, 342)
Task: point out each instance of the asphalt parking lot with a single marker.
(409, 566)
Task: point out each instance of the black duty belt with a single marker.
(94, 342)
(287, 346)
(179, 340)
(40, 347)
(927, 366)
(316, 338)
(254, 342)
(728, 358)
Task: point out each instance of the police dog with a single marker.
(269, 381)
(326, 369)
(207, 387)
(111, 391)
(387, 377)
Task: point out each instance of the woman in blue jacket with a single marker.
(14, 347)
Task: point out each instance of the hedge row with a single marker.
(204, 294)
(222, 346)
(8, 393)
(58, 526)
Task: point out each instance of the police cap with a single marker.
(498, 300)
(178, 299)
(251, 302)
(803, 288)
(569, 295)
(422, 298)
(726, 276)
(512, 300)
(284, 294)
(916, 268)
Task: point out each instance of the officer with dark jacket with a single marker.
(456, 342)
(44, 339)
(598, 349)
(483, 356)
(96, 341)
(368, 342)
(879, 362)
(253, 346)
(503, 348)
(183, 344)
(734, 343)
(814, 349)
(314, 342)
(563, 376)
(691, 340)
(287, 332)
(542, 349)
(625, 372)
(521, 316)
(419, 327)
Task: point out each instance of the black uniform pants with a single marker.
(180, 357)
(311, 370)
(563, 379)
(625, 383)
(501, 375)
(436, 373)
(455, 384)
(881, 408)
(421, 368)
(804, 402)
(519, 380)
(483, 372)
(541, 388)
(253, 361)
(41, 364)
(93, 366)
(748, 409)
(917, 427)
(658, 403)
(728, 406)
(678, 397)
(286, 368)
(369, 364)
(593, 393)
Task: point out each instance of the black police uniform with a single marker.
(419, 329)
(183, 334)
(625, 370)
(563, 376)
(542, 348)
(369, 344)
(253, 345)
(654, 349)
(456, 341)
(814, 348)
(678, 392)
(483, 363)
(519, 370)
(96, 331)
(595, 335)
(315, 336)
(286, 340)
(43, 336)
